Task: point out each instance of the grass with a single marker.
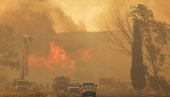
(25, 95)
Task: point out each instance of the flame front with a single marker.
(57, 56)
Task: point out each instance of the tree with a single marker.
(8, 53)
(156, 35)
(137, 69)
(164, 85)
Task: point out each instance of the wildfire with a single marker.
(87, 54)
(57, 56)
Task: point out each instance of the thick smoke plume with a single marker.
(36, 16)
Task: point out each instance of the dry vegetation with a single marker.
(24, 95)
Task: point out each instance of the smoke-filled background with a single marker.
(63, 39)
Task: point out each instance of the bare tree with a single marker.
(123, 39)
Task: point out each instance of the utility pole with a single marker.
(24, 59)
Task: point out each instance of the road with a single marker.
(52, 95)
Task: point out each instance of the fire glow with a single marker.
(87, 54)
(57, 56)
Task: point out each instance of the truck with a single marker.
(60, 86)
(25, 86)
(88, 89)
(73, 90)
(22, 86)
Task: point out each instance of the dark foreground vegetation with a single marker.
(25, 95)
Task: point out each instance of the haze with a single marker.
(69, 25)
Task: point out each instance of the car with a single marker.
(88, 89)
(60, 86)
(73, 89)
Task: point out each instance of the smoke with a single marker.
(3, 79)
(94, 13)
(108, 13)
(66, 16)
(37, 16)
(42, 20)
(45, 19)
(161, 9)
(7, 75)
(87, 54)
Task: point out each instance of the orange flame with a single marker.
(57, 56)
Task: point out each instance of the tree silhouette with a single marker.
(137, 69)
(156, 35)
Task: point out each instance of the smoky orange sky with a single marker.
(42, 19)
(70, 15)
(93, 13)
